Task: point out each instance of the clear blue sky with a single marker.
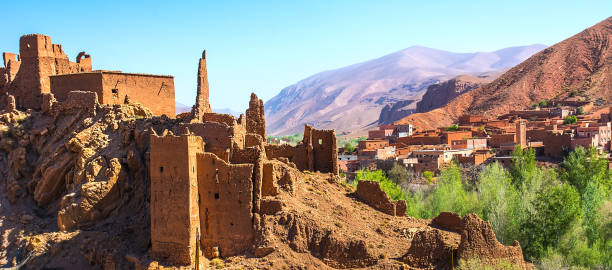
(263, 46)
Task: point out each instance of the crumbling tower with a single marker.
(202, 104)
(39, 58)
(255, 117)
(521, 133)
(174, 196)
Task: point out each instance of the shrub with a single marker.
(579, 111)
(428, 176)
(453, 127)
(570, 119)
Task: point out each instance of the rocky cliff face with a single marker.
(578, 66)
(439, 94)
(351, 98)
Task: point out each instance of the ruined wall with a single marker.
(255, 156)
(226, 193)
(40, 58)
(220, 138)
(61, 85)
(255, 117)
(324, 149)
(155, 92)
(174, 196)
(317, 151)
(370, 193)
(295, 154)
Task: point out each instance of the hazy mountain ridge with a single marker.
(351, 98)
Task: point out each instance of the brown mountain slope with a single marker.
(580, 64)
(439, 94)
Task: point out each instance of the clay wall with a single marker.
(255, 156)
(220, 138)
(536, 135)
(497, 140)
(152, 91)
(555, 144)
(227, 119)
(61, 85)
(226, 193)
(370, 193)
(296, 154)
(420, 140)
(376, 134)
(449, 136)
(372, 144)
(174, 196)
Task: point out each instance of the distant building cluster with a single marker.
(474, 139)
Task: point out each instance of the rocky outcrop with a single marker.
(439, 94)
(431, 249)
(396, 111)
(478, 241)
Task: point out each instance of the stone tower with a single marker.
(174, 196)
(521, 133)
(202, 104)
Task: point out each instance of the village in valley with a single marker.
(551, 129)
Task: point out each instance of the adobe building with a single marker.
(26, 76)
(43, 67)
(214, 175)
(155, 92)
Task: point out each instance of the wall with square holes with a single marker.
(226, 204)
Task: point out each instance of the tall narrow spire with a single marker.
(202, 104)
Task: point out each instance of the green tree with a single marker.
(543, 103)
(428, 176)
(398, 174)
(579, 111)
(500, 202)
(523, 165)
(556, 207)
(453, 127)
(570, 119)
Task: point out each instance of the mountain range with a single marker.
(350, 99)
(578, 68)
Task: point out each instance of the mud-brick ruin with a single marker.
(210, 178)
(42, 68)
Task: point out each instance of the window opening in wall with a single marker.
(320, 141)
(216, 196)
(115, 90)
(161, 169)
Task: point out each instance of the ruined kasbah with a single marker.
(552, 132)
(98, 172)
